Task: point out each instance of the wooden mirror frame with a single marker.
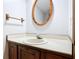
(50, 13)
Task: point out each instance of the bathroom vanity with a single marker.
(54, 49)
(43, 17)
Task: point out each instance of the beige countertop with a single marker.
(60, 44)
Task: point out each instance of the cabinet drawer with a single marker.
(27, 53)
(53, 56)
(12, 44)
(28, 49)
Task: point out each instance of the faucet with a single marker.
(38, 37)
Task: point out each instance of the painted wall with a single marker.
(61, 21)
(15, 8)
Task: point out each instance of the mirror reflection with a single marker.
(42, 11)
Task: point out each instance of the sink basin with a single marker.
(36, 41)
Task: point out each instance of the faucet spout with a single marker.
(38, 37)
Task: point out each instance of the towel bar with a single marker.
(7, 18)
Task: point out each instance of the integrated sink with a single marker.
(36, 41)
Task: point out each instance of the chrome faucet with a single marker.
(38, 37)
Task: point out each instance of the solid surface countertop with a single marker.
(60, 44)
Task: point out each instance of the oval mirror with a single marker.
(42, 11)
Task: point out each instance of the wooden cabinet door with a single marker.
(12, 51)
(52, 56)
(27, 53)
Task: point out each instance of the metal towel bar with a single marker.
(7, 18)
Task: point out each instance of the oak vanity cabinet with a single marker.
(27, 53)
(53, 56)
(12, 51)
(20, 51)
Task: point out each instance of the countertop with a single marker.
(60, 44)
